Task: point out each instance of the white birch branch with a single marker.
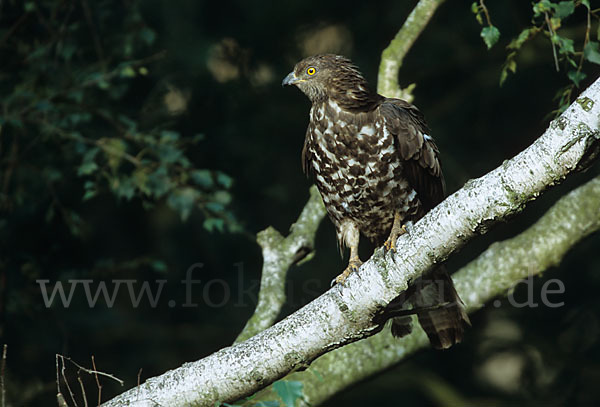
(393, 55)
(279, 254)
(343, 314)
(497, 270)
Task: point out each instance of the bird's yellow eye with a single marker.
(311, 70)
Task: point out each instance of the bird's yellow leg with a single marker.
(353, 265)
(398, 229)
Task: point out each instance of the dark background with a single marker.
(226, 61)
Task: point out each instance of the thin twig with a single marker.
(11, 165)
(98, 143)
(64, 376)
(58, 377)
(82, 387)
(63, 26)
(87, 11)
(585, 41)
(91, 371)
(552, 42)
(13, 28)
(97, 381)
(43, 20)
(485, 12)
(2, 371)
(139, 376)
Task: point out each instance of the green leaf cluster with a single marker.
(67, 119)
(490, 34)
(548, 17)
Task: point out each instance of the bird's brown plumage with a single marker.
(375, 165)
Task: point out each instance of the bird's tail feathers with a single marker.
(439, 309)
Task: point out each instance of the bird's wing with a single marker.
(306, 156)
(420, 155)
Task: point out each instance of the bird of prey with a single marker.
(378, 170)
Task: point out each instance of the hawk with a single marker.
(378, 170)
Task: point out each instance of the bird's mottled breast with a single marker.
(357, 168)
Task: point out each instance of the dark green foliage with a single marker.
(69, 115)
(77, 136)
(548, 19)
(289, 391)
(490, 34)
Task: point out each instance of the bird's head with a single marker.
(326, 76)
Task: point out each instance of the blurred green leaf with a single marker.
(131, 124)
(169, 153)
(88, 165)
(215, 207)
(169, 136)
(87, 168)
(89, 194)
(159, 183)
(202, 178)
(211, 224)
(509, 66)
(183, 200)
(224, 180)
(90, 190)
(475, 10)
(591, 52)
(128, 72)
(520, 40)
(114, 150)
(159, 266)
(564, 9)
(490, 35)
(474, 7)
(67, 50)
(289, 391)
(576, 77)
(148, 35)
(222, 197)
(565, 45)
(542, 7)
(123, 187)
(103, 84)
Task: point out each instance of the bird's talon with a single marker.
(390, 244)
(353, 267)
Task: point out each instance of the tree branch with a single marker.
(344, 314)
(543, 245)
(393, 55)
(279, 254)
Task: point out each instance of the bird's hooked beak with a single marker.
(291, 79)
